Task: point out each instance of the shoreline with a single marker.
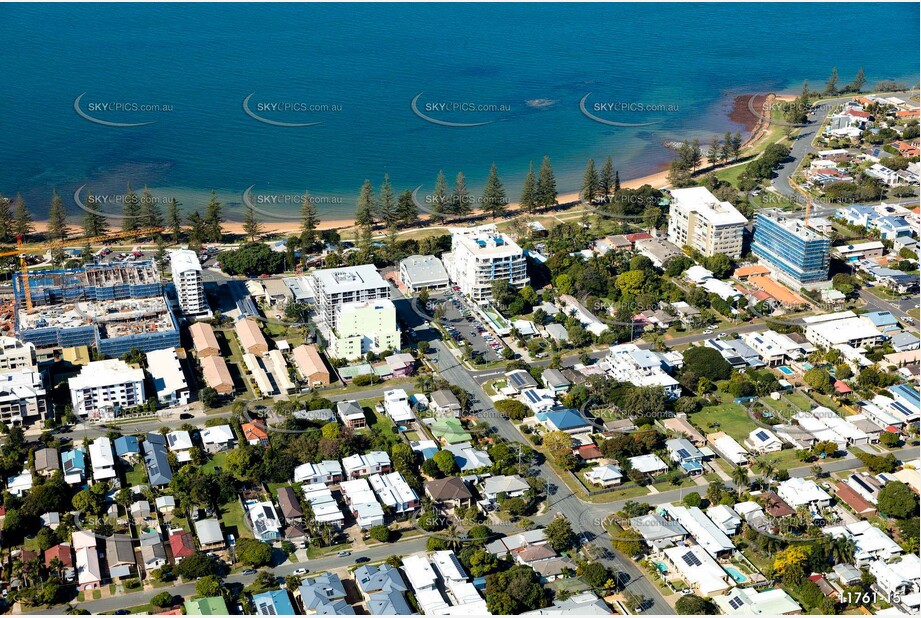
(755, 126)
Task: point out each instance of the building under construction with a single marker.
(115, 307)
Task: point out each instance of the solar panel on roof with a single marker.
(683, 453)
(762, 436)
(735, 602)
(691, 560)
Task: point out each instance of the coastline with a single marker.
(740, 113)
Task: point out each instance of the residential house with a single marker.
(698, 568)
(73, 465)
(325, 472)
(180, 443)
(763, 441)
(871, 543)
(153, 552)
(217, 438)
(555, 380)
(46, 461)
(725, 518)
(266, 524)
(310, 365)
(648, 464)
(449, 492)
(394, 492)
(707, 534)
(445, 403)
(289, 505)
(181, 543)
(102, 459)
(324, 595)
(351, 414)
(726, 446)
(64, 553)
(511, 486)
(366, 464)
(273, 603)
(685, 455)
(206, 606)
(383, 589)
(128, 448)
(658, 532)
(156, 460)
(120, 556)
(209, 534)
(362, 502)
(608, 475)
(803, 492)
(255, 433)
(752, 602)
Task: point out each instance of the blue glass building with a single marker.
(796, 253)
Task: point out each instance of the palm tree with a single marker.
(454, 538)
(842, 550)
(740, 478)
(56, 566)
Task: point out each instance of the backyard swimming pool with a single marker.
(735, 574)
(785, 370)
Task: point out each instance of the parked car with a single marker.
(362, 559)
(300, 571)
(344, 553)
(249, 572)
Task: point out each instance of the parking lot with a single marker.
(462, 324)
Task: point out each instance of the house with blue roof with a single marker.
(892, 227)
(906, 402)
(156, 461)
(128, 448)
(383, 589)
(564, 419)
(73, 465)
(273, 603)
(325, 595)
(904, 341)
(687, 456)
(883, 320)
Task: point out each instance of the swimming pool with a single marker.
(663, 568)
(735, 574)
(785, 370)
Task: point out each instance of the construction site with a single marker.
(115, 307)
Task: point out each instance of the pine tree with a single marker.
(859, 80)
(150, 210)
(213, 219)
(86, 254)
(174, 219)
(387, 203)
(607, 178)
(529, 192)
(94, 224)
(197, 229)
(804, 95)
(713, 153)
(57, 218)
(590, 185)
(726, 148)
(6, 219)
(736, 145)
(616, 181)
(694, 155)
(407, 213)
(440, 206)
(364, 210)
(309, 222)
(252, 226)
(460, 198)
(546, 185)
(130, 210)
(22, 218)
(831, 86)
(494, 200)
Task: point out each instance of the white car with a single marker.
(301, 571)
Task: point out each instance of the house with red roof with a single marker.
(182, 544)
(63, 553)
(255, 433)
(850, 497)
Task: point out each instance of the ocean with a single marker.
(398, 89)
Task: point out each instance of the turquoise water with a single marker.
(366, 63)
(785, 370)
(735, 574)
(663, 568)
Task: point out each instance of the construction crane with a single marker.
(806, 213)
(22, 250)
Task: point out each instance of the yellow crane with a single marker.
(22, 250)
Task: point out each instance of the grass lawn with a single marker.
(136, 475)
(622, 494)
(685, 481)
(784, 460)
(233, 520)
(318, 552)
(801, 401)
(216, 461)
(730, 418)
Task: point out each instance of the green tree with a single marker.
(380, 533)
(199, 564)
(607, 178)
(693, 605)
(163, 599)
(559, 448)
(131, 207)
(407, 213)
(22, 218)
(560, 535)
(57, 218)
(494, 200)
(174, 219)
(208, 586)
(512, 408)
(310, 220)
(387, 203)
(529, 191)
(460, 197)
(214, 219)
(514, 591)
(441, 202)
(364, 210)
(831, 86)
(897, 500)
(546, 185)
(445, 462)
(252, 226)
(6, 219)
(591, 186)
(252, 552)
(150, 214)
(94, 224)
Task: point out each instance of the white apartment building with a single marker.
(628, 363)
(844, 327)
(187, 279)
(368, 326)
(103, 388)
(481, 255)
(168, 378)
(354, 311)
(14, 354)
(22, 396)
(699, 220)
